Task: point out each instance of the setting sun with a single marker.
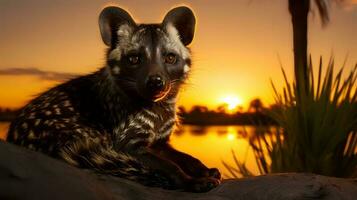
(232, 101)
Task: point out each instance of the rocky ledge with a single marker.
(29, 175)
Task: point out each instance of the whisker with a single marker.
(175, 80)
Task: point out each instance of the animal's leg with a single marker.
(175, 173)
(189, 164)
(137, 142)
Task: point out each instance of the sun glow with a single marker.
(232, 102)
(231, 135)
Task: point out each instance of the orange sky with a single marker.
(235, 48)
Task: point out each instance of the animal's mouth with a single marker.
(159, 95)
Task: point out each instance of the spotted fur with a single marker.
(108, 121)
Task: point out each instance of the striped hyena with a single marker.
(118, 120)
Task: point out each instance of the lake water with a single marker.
(210, 144)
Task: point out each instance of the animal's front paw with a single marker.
(214, 173)
(202, 184)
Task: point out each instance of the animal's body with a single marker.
(118, 120)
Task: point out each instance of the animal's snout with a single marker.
(155, 84)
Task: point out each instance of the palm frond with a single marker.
(322, 7)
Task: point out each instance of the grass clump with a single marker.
(317, 130)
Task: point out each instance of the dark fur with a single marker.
(110, 122)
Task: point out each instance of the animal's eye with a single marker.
(170, 58)
(134, 59)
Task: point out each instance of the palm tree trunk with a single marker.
(299, 10)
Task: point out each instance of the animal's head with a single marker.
(148, 60)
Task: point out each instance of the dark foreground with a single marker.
(29, 175)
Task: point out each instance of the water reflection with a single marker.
(212, 144)
(3, 129)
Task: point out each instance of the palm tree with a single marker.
(299, 11)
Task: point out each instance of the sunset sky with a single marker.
(236, 48)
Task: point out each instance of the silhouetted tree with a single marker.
(181, 110)
(256, 105)
(299, 11)
(222, 108)
(199, 109)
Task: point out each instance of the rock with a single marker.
(269, 187)
(25, 174)
(30, 175)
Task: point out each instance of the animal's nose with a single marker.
(155, 83)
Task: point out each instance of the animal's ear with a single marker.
(110, 19)
(183, 19)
